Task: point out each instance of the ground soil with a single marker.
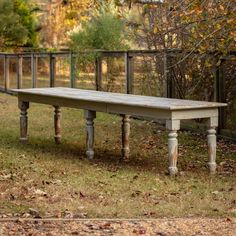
(161, 227)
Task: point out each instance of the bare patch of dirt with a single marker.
(161, 227)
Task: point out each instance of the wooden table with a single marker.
(170, 110)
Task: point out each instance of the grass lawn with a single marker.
(57, 180)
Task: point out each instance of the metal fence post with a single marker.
(129, 72)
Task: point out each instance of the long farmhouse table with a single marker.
(156, 108)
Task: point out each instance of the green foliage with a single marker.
(28, 20)
(17, 24)
(105, 30)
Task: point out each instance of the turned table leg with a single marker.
(211, 141)
(125, 136)
(23, 121)
(57, 124)
(89, 116)
(173, 126)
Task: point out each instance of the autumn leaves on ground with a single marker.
(42, 179)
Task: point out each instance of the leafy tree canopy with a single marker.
(105, 30)
(189, 24)
(17, 24)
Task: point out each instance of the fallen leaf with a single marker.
(4, 177)
(34, 213)
(40, 192)
(81, 195)
(135, 177)
(215, 192)
(139, 231)
(107, 225)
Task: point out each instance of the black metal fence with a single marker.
(168, 73)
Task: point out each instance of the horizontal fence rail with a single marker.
(169, 82)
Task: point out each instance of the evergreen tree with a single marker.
(105, 30)
(17, 24)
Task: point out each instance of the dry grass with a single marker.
(57, 180)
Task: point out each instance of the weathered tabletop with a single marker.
(119, 98)
(171, 110)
